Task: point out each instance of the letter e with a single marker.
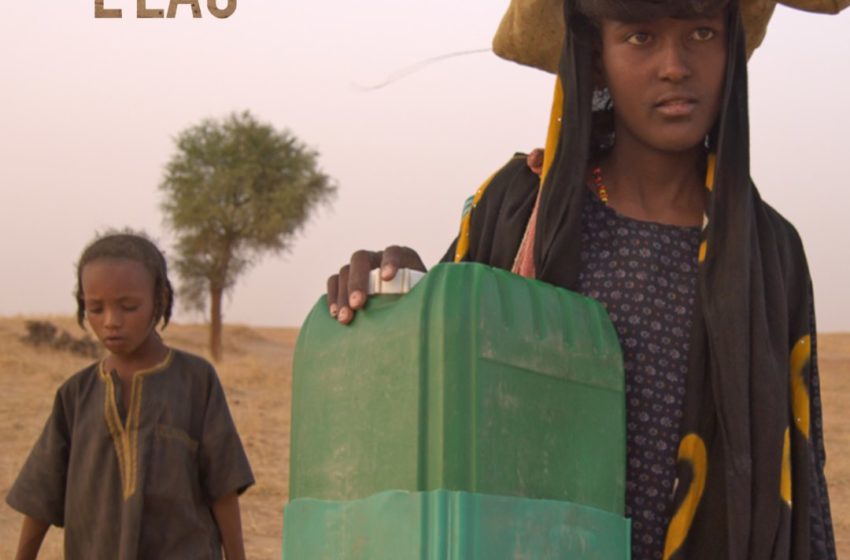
(101, 12)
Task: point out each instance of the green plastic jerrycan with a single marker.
(477, 380)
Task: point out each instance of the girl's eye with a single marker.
(94, 310)
(129, 308)
(703, 34)
(638, 38)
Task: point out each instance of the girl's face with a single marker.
(119, 304)
(665, 77)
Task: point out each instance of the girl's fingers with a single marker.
(344, 313)
(331, 297)
(396, 257)
(348, 290)
(362, 263)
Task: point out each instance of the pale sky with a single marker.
(90, 108)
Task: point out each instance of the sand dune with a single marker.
(256, 374)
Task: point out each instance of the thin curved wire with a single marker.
(416, 67)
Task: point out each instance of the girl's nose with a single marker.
(673, 63)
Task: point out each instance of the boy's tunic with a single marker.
(136, 484)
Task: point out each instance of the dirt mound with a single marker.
(46, 334)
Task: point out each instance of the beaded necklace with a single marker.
(601, 191)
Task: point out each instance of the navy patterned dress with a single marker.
(645, 275)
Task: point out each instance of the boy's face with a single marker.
(119, 303)
(665, 77)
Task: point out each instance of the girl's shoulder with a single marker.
(514, 180)
(786, 235)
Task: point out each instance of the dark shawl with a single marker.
(750, 474)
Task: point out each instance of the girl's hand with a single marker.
(349, 289)
(534, 160)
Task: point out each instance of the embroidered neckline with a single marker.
(125, 436)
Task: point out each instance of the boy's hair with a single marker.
(129, 245)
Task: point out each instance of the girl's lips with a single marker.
(676, 106)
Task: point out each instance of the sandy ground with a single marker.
(256, 374)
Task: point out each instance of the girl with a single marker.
(140, 458)
(645, 202)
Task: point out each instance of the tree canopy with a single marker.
(235, 189)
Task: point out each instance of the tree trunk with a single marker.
(215, 322)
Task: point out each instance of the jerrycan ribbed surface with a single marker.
(449, 525)
(477, 380)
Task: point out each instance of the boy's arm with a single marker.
(227, 517)
(32, 535)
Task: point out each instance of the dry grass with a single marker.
(256, 374)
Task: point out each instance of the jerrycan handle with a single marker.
(404, 280)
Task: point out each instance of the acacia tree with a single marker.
(234, 190)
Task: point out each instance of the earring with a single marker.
(601, 100)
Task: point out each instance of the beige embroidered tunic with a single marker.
(136, 484)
